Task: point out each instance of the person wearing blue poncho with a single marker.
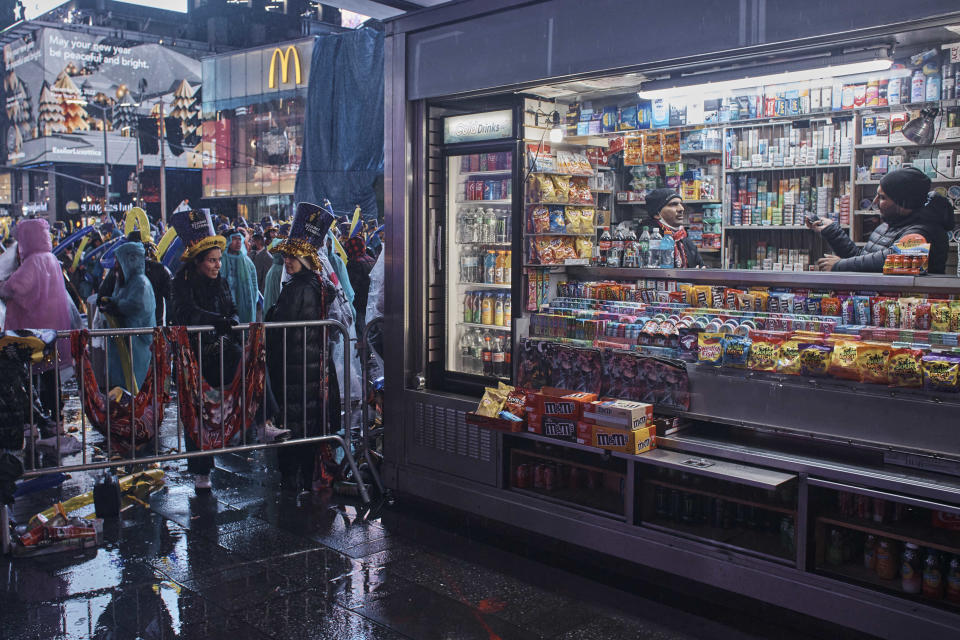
(241, 275)
(131, 306)
(274, 278)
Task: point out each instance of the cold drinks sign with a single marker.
(492, 125)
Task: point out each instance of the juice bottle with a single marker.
(507, 268)
(498, 271)
(468, 307)
(507, 310)
(490, 267)
(486, 309)
(498, 311)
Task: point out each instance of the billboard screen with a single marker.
(64, 88)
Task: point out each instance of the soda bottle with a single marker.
(486, 309)
(497, 357)
(468, 307)
(477, 307)
(487, 355)
(666, 252)
(613, 256)
(604, 246)
(643, 255)
(631, 249)
(490, 267)
(507, 357)
(654, 253)
(498, 311)
(498, 269)
(618, 241)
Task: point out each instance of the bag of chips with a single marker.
(955, 315)
(584, 247)
(558, 222)
(548, 192)
(710, 349)
(587, 220)
(941, 372)
(904, 368)
(541, 220)
(814, 359)
(764, 351)
(544, 250)
(843, 362)
(561, 185)
(872, 360)
(491, 403)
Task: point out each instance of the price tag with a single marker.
(954, 51)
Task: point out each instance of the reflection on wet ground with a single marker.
(246, 561)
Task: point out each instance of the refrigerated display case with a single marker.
(477, 261)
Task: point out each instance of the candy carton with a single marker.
(621, 414)
(560, 428)
(563, 403)
(631, 441)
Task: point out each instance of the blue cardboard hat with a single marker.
(195, 229)
(307, 233)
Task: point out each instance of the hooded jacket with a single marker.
(35, 293)
(272, 282)
(932, 221)
(135, 306)
(241, 274)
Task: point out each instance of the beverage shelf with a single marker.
(477, 325)
(562, 204)
(490, 244)
(907, 144)
(494, 172)
(559, 233)
(921, 535)
(937, 180)
(507, 201)
(771, 227)
(484, 285)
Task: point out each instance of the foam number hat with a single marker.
(136, 218)
(195, 230)
(307, 234)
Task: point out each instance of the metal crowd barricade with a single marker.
(85, 463)
(364, 349)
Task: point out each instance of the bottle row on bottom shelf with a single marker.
(485, 351)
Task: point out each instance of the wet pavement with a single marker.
(246, 561)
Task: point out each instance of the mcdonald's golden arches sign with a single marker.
(286, 58)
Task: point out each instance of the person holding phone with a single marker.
(907, 206)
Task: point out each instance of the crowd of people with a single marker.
(226, 273)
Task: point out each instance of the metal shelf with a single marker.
(772, 227)
(561, 233)
(494, 327)
(496, 172)
(907, 144)
(815, 279)
(937, 180)
(509, 201)
(560, 204)
(484, 285)
(845, 165)
(700, 153)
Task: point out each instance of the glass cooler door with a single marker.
(479, 272)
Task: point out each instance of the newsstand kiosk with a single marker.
(808, 423)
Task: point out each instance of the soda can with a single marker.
(862, 507)
(506, 190)
(550, 478)
(521, 476)
(538, 476)
(485, 186)
(483, 162)
(474, 162)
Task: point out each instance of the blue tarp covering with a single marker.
(343, 133)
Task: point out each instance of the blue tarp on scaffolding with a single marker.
(343, 132)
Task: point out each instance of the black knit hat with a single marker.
(657, 200)
(908, 187)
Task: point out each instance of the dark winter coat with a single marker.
(198, 300)
(932, 222)
(301, 298)
(694, 259)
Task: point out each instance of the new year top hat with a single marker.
(195, 229)
(307, 234)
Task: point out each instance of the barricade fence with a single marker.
(217, 418)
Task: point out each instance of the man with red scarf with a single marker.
(665, 208)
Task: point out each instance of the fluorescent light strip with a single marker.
(869, 66)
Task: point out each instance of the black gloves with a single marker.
(108, 306)
(223, 325)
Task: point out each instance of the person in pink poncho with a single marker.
(36, 296)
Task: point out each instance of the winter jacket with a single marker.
(35, 293)
(262, 262)
(134, 306)
(932, 222)
(271, 284)
(694, 259)
(302, 298)
(198, 300)
(241, 275)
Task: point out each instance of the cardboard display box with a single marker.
(623, 414)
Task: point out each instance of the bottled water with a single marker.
(643, 257)
(653, 259)
(666, 252)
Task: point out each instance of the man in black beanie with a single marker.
(665, 208)
(907, 207)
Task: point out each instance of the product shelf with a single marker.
(494, 172)
(560, 233)
(487, 244)
(771, 227)
(701, 152)
(560, 204)
(907, 144)
(720, 496)
(921, 535)
(868, 577)
(477, 325)
(484, 285)
(937, 180)
(703, 202)
(561, 173)
(804, 167)
(507, 201)
(765, 544)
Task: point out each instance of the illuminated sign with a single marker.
(492, 125)
(284, 57)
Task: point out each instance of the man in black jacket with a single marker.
(665, 208)
(907, 207)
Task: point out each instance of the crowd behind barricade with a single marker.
(205, 269)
